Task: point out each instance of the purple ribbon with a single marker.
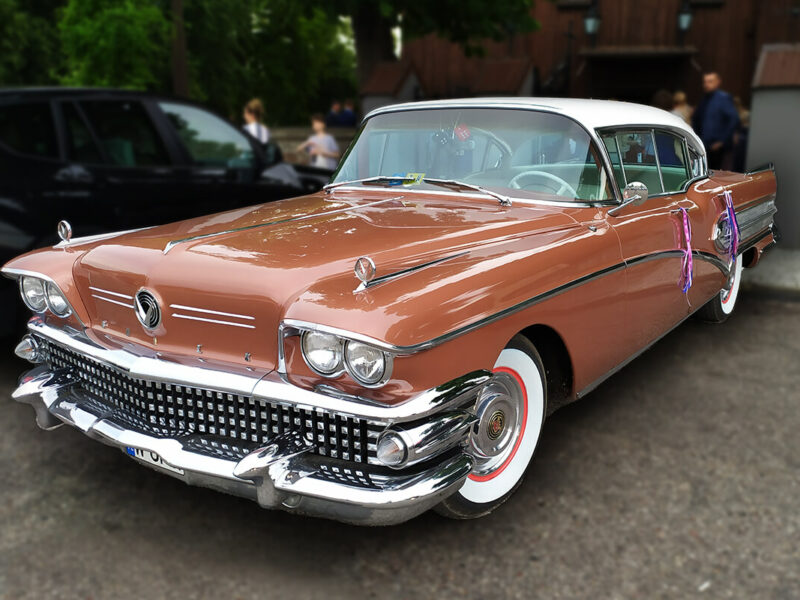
(733, 224)
(687, 266)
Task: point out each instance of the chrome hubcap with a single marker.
(500, 413)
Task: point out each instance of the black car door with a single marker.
(116, 151)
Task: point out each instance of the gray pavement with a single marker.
(678, 478)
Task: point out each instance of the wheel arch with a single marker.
(557, 363)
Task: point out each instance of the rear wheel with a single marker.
(721, 306)
(510, 412)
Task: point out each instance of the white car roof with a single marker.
(592, 114)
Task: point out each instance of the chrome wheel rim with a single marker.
(499, 409)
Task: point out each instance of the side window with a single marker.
(672, 157)
(638, 156)
(610, 142)
(209, 140)
(126, 133)
(80, 145)
(28, 128)
(697, 166)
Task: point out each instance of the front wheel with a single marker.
(721, 306)
(510, 412)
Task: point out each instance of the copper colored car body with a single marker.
(219, 391)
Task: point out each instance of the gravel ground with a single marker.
(678, 478)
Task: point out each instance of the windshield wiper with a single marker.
(503, 199)
(373, 179)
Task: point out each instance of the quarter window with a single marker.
(209, 140)
(28, 128)
(126, 133)
(672, 157)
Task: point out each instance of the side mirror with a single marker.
(635, 193)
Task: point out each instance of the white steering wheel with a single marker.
(561, 185)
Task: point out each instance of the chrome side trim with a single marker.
(96, 238)
(384, 278)
(289, 324)
(171, 244)
(110, 293)
(112, 301)
(212, 312)
(216, 321)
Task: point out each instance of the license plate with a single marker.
(152, 458)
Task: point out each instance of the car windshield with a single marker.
(516, 153)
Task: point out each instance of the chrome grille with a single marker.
(219, 423)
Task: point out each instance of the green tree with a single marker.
(466, 22)
(29, 52)
(120, 43)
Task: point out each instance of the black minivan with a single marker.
(108, 160)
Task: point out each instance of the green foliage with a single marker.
(120, 43)
(28, 43)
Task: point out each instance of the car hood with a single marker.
(224, 282)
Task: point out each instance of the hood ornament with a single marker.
(365, 270)
(65, 231)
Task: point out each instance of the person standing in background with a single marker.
(347, 117)
(321, 146)
(334, 115)
(254, 121)
(715, 120)
(681, 108)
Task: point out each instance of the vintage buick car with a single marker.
(394, 342)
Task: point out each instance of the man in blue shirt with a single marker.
(715, 120)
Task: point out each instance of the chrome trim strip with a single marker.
(217, 321)
(288, 324)
(171, 244)
(112, 301)
(110, 293)
(96, 238)
(212, 312)
(384, 278)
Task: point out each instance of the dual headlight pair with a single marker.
(330, 355)
(40, 295)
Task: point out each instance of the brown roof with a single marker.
(504, 76)
(778, 66)
(387, 78)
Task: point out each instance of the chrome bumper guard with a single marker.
(284, 473)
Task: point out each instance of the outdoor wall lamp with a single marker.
(591, 22)
(684, 20)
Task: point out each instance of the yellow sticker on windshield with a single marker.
(413, 178)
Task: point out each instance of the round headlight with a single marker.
(33, 293)
(56, 301)
(392, 450)
(322, 351)
(364, 362)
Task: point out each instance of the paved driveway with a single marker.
(678, 478)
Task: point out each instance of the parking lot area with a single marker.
(679, 477)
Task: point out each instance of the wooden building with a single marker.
(638, 49)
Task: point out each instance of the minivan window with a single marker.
(209, 140)
(126, 133)
(28, 128)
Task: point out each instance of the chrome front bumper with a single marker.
(283, 473)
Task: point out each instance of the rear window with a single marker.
(28, 128)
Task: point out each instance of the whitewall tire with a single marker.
(721, 305)
(510, 411)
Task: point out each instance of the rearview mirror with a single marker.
(635, 193)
